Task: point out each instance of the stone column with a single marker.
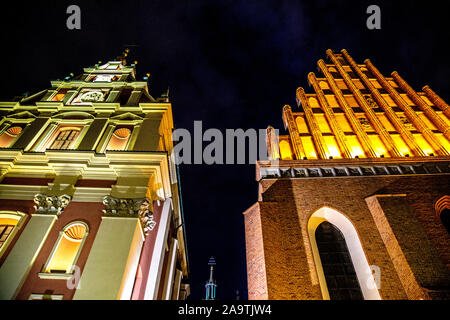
(319, 142)
(378, 126)
(354, 122)
(427, 110)
(405, 134)
(438, 101)
(329, 114)
(294, 133)
(409, 112)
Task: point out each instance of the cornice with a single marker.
(91, 165)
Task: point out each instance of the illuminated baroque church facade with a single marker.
(354, 202)
(89, 198)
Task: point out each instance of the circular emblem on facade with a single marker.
(92, 96)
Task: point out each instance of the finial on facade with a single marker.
(165, 95)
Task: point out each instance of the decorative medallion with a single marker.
(408, 125)
(364, 123)
(92, 96)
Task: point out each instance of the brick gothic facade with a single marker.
(369, 155)
(89, 198)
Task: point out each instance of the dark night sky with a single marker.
(231, 64)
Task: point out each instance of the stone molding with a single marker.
(140, 208)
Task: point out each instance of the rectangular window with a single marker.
(443, 141)
(64, 139)
(5, 231)
(407, 99)
(59, 96)
(358, 84)
(285, 150)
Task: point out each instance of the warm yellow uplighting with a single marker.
(351, 101)
(444, 117)
(378, 146)
(332, 146)
(401, 145)
(407, 99)
(385, 122)
(332, 101)
(355, 146)
(343, 122)
(285, 150)
(376, 84)
(427, 121)
(324, 85)
(445, 143)
(389, 100)
(308, 145)
(423, 144)
(322, 122)
(301, 125)
(313, 103)
(67, 249)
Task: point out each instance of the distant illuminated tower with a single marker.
(211, 284)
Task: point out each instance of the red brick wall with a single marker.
(287, 205)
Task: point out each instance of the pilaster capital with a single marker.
(52, 205)
(141, 208)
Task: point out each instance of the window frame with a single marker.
(67, 275)
(20, 217)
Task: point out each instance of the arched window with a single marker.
(337, 264)
(443, 211)
(10, 223)
(10, 135)
(119, 139)
(341, 264)
(67, 248)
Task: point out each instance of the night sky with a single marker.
(230, 64)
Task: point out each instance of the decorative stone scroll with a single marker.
(51, 204)
(141, 208)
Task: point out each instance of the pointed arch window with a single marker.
(442, 207)
(337, 264)
(342, 268)
(67, 249)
